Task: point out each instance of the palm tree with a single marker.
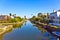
(10, 14)
(47, 15)
(14, 15)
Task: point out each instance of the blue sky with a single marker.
(28, 7)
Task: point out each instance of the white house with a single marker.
(55, 18)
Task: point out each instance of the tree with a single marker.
(14, 15)
(11, 20)
(47, 15)
(33, 18)
(10, 14)
(17, 19)
(39, 14)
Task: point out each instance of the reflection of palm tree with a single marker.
(25, 23)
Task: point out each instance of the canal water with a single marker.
(27, 31)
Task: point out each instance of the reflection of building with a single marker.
(55, 17)
(4, 17)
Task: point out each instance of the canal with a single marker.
(27, 31)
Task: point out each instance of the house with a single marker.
(4, 17)
(54, 17)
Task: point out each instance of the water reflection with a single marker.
(1, 36)
(27, 31)
(44, 32)
(17, 25)
(14, 26)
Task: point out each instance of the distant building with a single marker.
(4, 17)
(54, 17)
